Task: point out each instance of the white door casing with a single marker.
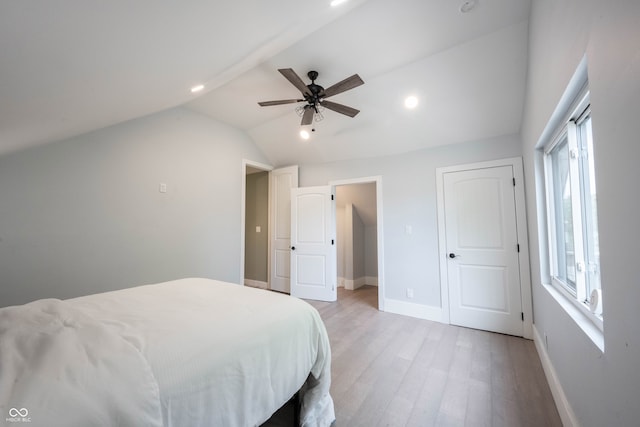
(486, 285)
(281, 182)
(313, 249)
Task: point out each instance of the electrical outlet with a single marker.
(409, 292)
(163, 187)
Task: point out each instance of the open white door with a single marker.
(281, 182)
(313, 249)
(482, 250)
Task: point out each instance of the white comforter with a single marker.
(193, 352)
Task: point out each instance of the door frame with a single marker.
(377, 180)
(243, 213)
(523, 240)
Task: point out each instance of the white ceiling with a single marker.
(72, 66)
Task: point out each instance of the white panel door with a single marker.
(313, 249)
(482, 250)
(281, 183)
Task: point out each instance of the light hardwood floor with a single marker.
(392, 370)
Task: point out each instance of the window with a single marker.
(572, 210)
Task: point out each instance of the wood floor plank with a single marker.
(478, 411)
(392, 370)
(376, 376)
(427, 404)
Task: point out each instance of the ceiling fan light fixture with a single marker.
(411, 102)
(304, 134)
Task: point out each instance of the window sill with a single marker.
(584, 322)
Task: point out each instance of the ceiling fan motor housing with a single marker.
(315, 89)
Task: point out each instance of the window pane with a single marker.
(590, 213)
(565, 258)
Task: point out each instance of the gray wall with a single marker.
(85, 215)
(357, 235)
(340, 242)
(371, 252)
(350, 239)
(409, 198)
(256, 214)
(602, 389)
(363, 258)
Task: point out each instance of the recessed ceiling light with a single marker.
(467, 6)
(197, 88)
(304, 134)
(411, 102)
(335, 3)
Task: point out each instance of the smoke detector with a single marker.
(467, 6)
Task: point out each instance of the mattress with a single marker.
(191, 352)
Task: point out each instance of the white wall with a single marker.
(409, 198)
(85, 215)
(601, 389)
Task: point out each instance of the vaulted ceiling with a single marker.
(71, 66)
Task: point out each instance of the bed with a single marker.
(191, 352)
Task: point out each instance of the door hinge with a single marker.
(332, 197)
(332, 241)
(522, 316)
(514, 182)
(518, 246)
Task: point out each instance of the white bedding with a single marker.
(193, 352)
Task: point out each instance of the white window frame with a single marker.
(569, 128)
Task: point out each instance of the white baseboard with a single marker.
(352, 285)
(411, 309)
(256, 284)
(371, 280)
(567, 415)
(357, 283)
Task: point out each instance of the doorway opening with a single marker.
(359, 235)
(254, 263)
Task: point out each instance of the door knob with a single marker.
(293, 248)
(452, 255)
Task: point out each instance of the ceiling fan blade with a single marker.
(295, 80)
(280, 102)
(307, 117)
(346, 84)
(339, 108)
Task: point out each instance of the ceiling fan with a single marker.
(315, 95)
